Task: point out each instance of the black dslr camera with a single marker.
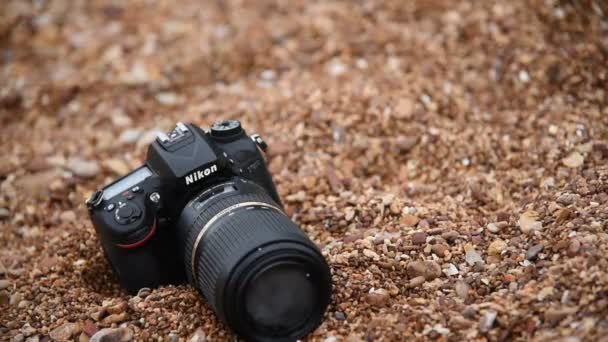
(203, 209)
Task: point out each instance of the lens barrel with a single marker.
(256, 269)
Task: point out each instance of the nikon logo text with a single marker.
(200, 174)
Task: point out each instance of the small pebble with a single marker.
(4, 283)
(378, 297)
(419, 238)
(129, 136)
(574, 247)
(462, 289)
(416, 281)
(198, 336)
(496, 247)
(144, 292)
(472, 257)
(428, 269)
(451, 270)
(4, 213)
(65, 331)
(409, 220)
(83, 168)
(113, 335)
(533, 251)
(487, 321)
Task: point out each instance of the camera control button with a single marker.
(136, 189)
(127, 213)
(155, 197)
(110, 207)
(257, 139)
(124, 212)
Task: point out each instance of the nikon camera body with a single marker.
(203, 209)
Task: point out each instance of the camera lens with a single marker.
(255, 268)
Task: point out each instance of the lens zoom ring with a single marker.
(237, 236)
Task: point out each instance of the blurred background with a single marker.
(469, 112)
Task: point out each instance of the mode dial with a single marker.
(226, 128)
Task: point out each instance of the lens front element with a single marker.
(279, 298)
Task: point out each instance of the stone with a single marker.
(563, 215)
(450, 270)
(554, 316)
(566, 199)
(404, 108)
(573, 247)
(198, 336)
(378, 297)
(299, 196)
(112, 335)
(129, 136)
(144, 292)
(16, 298)
(405, 143)
(573, 160)
(120, 118)
(469, 312)
(450, 236)
(472, 257)
(545, 292)
(533, 251)
(419, 238)
(493, 228)
(349, 215)
(167, 98)
(18, 338)
(89, 328)
(409, 220)
(4, 213)
(462, 289)
(83, 168)
(416, 281)
(340, 316)
(4, 298)
(65, 332)
(371, 254)
(67, 216)
(496, 247)
(4, 283)
(118, 308)
(115, 318)
(336, 68)
(428, 269)
(27, 330)
(487, 321)
(99, 314)
(528, 222)
(439, 249)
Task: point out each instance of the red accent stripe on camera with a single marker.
(142, 241)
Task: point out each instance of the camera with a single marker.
(203, 210)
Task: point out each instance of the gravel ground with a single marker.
(450, 158)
